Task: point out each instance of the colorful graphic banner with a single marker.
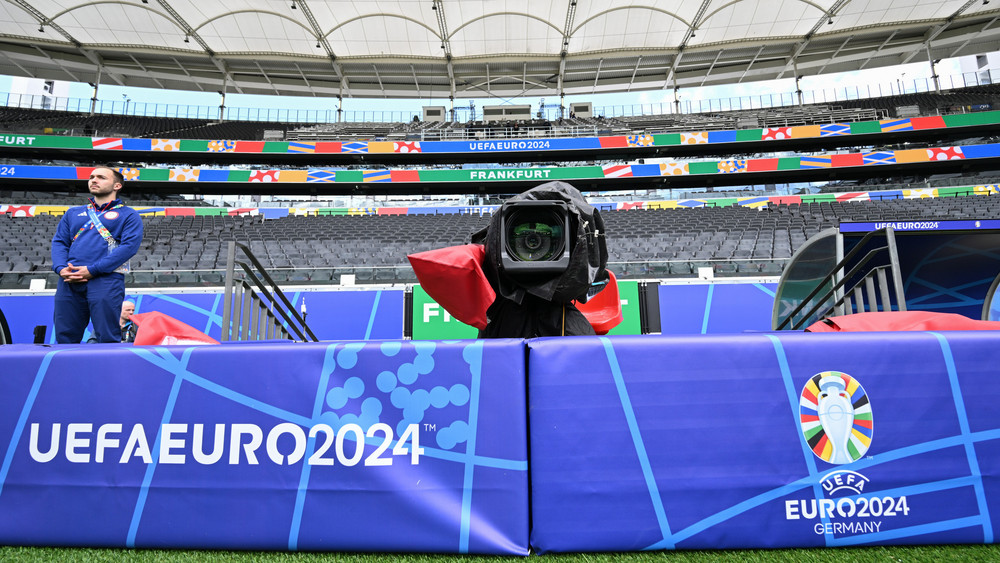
(504, 145)
(526, 174)
(382, 446)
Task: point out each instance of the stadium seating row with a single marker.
(642, 243)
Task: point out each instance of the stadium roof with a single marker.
(434, 49)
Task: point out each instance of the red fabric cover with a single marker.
(604, 310)
(900, 321)
(157, 329)
(453, 276)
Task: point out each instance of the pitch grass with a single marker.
(895, 554)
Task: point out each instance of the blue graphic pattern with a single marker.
(411, 388)
(639, 449)
(967, 439)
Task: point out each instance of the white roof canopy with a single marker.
(472, 48)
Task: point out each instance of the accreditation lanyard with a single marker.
(96, 222)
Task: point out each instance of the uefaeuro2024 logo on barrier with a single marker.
(835, 415)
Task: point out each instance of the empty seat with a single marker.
(187, 278)
(680, 268)
(726, 269)
(166, 278)
(210, 278)
(143, 279)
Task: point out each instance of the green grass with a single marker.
(904, 554)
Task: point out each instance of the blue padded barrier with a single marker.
(764, 440)
(256, 446)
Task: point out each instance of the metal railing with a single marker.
(869, 293)
(361, 276)
(254, 307)
(333, 115)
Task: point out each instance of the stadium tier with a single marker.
(609, 177)
(694, 139)
(857, 150)
(739, 236)
(955, 101)
(646, 240)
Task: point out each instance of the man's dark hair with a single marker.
(118, 175)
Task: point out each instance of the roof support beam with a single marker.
(878, 50)
(711, 67)
(266, 77)
(752, 61)
(567, 33)
(45, 21)
(438, 7)
(957, 50)
(669, 81)
(190, 33)
(451, 80)
(937, 30)
(634, 71)
(305, 79)
(378, 77)
(321, 41)
(141, 66)
(833, 57)
(14, 62)
(560, 74)
(185, 71)
(825, 19)
(63, 67)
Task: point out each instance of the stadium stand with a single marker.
(643, 243)
(960, 100)
(21, 120)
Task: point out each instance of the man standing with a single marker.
(90, 252)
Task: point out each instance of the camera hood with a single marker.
(534, 238)
(565, 274)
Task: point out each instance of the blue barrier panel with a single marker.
(711, 308)
(764, 440)
(256, 446)
(332, 315)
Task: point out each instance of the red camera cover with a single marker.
(604, 310)
(900, 321)
(157, 329)
(453, 276)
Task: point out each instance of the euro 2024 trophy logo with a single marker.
(836, 417)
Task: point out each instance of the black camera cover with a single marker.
(570, 277)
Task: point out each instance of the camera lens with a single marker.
(535, 236)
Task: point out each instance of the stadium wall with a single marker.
(729, 306)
